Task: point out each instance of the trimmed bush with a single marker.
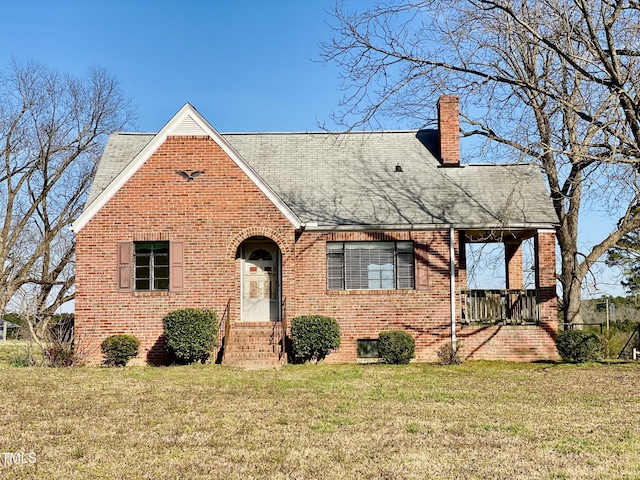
(191, 334)
(313, 337)
(119, 349)
(579, 346)
(396, 347)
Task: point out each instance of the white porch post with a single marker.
(452, 281)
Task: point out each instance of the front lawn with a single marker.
(477, 420)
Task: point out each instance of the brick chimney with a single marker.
(449, 131)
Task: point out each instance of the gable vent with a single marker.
(188, 126)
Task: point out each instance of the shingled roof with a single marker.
(350, 179)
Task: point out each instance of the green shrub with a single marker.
(396, 346)
(579, 346)
(191, 334)
(119, 349)
(313, 337)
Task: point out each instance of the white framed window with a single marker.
(370, 265)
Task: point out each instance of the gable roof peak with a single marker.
(187, 122)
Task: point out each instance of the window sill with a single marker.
(151, 293)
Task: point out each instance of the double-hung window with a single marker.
(147, 266)
(152, 265)
(370, 265)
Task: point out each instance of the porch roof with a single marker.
(349, 180)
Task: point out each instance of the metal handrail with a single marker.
(571, 326)
(225, 325)
(283, 324)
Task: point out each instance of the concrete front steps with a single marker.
(255, 345)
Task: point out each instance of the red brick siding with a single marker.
(545, 247)
(364, 313)
(517, 343)
(426, 314)
(513, 265)
(449, 128)
(208, 214)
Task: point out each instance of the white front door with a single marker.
(260, 282)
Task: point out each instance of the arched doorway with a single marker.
(260, 282)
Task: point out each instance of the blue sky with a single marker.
(246, 66)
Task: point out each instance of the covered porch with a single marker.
(524, 294)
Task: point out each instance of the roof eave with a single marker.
(315, 227)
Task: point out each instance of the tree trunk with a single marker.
(571, 280)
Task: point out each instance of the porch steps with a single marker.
(254, 345)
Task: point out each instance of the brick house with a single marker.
(370, 228)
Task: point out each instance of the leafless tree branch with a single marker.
(53, 128)
(554, 81)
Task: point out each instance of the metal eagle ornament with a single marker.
(189, 176)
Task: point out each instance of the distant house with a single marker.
(370, 228)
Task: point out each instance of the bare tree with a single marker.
(52, 130)
(549, 81)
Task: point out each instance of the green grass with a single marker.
(12, 351)
(477, 420)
